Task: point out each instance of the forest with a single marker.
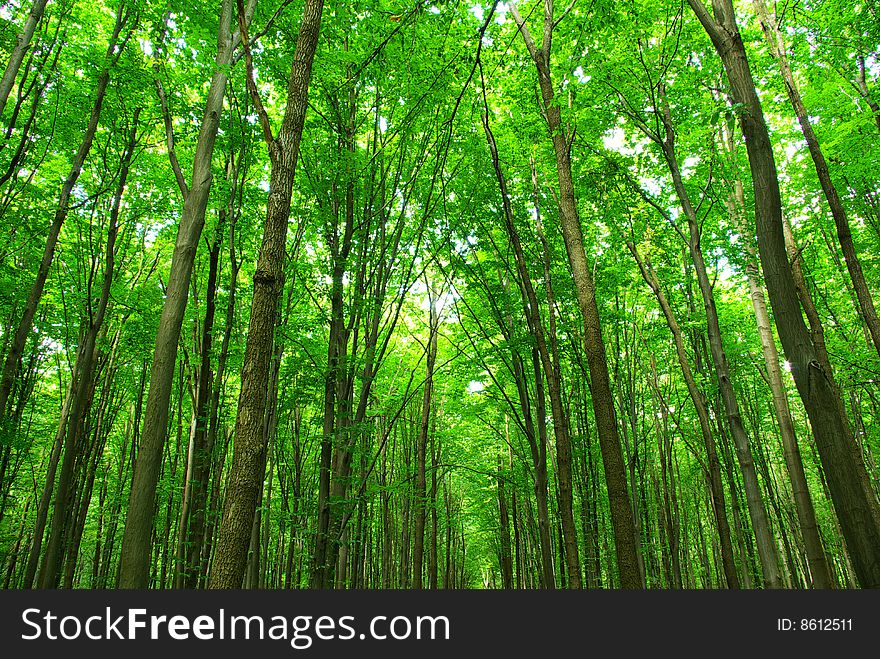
(431, 294)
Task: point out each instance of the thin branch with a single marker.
(169, 137)
(564, 13)
(527, 36)
(252, 85)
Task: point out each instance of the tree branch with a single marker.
(169, 137)
(527, 36)
(252, 85)
(703, 15)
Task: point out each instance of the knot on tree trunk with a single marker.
(265, 277)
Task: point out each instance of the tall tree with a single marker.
(855, 502)
(603, 400)
(666, 140)
(249, 456)
(134, 569)
(421, 493)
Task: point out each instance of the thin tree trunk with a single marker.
(671, 530)
(538, 448)
(603, 401)
(22, 43)
(192, 509)
(46, 496)
(135, 557)
(337, 347)
(432, 545)
(421, 448)
(201, 529)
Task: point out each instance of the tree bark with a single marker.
(856, 505)
(134, 559)
(249, 453)
(539, 463)
(192, 509)
(600, 384)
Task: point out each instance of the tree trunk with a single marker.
(192, 510)
(856, 505)
(538, 447)
(46, 495)
(135, 557)
(249, 454)
(432, 545)
(422, 446)
(600, 384)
